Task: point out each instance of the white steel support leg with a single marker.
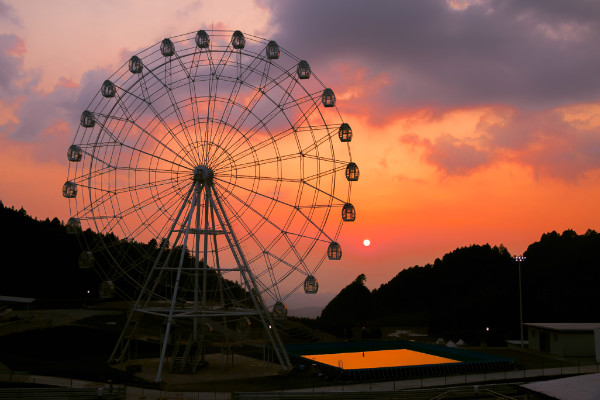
(176, 288)
(250, 282)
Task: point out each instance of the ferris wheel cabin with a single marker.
(87, 119)
(135, 65)
(74, 154)
(73, 225)
(348, 212)
(303, 70)
(167, 48)
(108, 89)
(86, 260)
(279, 311)
(238, 41)
(345, 132)
(352, 172)
(272, 50)
(69, 190)
(311, 285)
(202, 39)
(328, 98)
(334, 251)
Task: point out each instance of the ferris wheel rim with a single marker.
(166, 197)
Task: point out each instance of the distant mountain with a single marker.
(475, 288)
(305, 312)
(305, 305)
(458, 296)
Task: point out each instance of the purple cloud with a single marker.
(7, 13)
(547, 142)
(533, 54)
(543, 141)
(450, 155)
(47, 119)
(11, 63)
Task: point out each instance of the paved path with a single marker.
(151, 394)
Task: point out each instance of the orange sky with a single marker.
(437, 173)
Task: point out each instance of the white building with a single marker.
(565, 339)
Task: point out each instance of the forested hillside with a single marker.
(41, 260)
(458, 296)
(477, 287)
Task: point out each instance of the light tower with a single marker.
(520, 259)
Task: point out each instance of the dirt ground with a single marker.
(76, 343)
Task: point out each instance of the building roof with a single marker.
(582, 387)
(566, 326)
(12, 299)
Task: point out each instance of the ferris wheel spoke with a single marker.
(232, 100)
(106, 198)
(195, 109)
(272, 82)
(261, 122)
(292, 248)
(267, 220)
(144, 185)
(245, 151)
(94, 204)
(148, 202)
(104, 129)
(295, 128)
(317, 176)
(309, 98)
(143, 85)
(249, 232)
(251, 192)
(267, 161)
(245, 138)
(225, 115)
(149, 169)
(98, 173)
(306, 217)
(265, 178)
(329, 195)
(183, 67)
(162, 121)
(273, 290)
(182, 123)
(171, 198)
(247, 110)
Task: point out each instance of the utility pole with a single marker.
(519, 259)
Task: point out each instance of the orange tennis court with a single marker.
(385, 360)
(378, 359)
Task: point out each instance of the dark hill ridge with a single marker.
(41, 260)
(458, 296)
(477, 287)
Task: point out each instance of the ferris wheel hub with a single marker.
(204, 175)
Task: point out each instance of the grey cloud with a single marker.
(10, 64)
(542, 141)
(547, 143)
(534, 54)
(8, 13)
(450, 155)
(42, 115)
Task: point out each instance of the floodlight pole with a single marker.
(519, 259)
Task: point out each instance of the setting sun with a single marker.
(366, 242)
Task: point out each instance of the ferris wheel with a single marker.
(209, 161)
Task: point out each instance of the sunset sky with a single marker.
(475, 121)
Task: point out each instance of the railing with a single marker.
(504, 391)
(82, 390)
(117, 393)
